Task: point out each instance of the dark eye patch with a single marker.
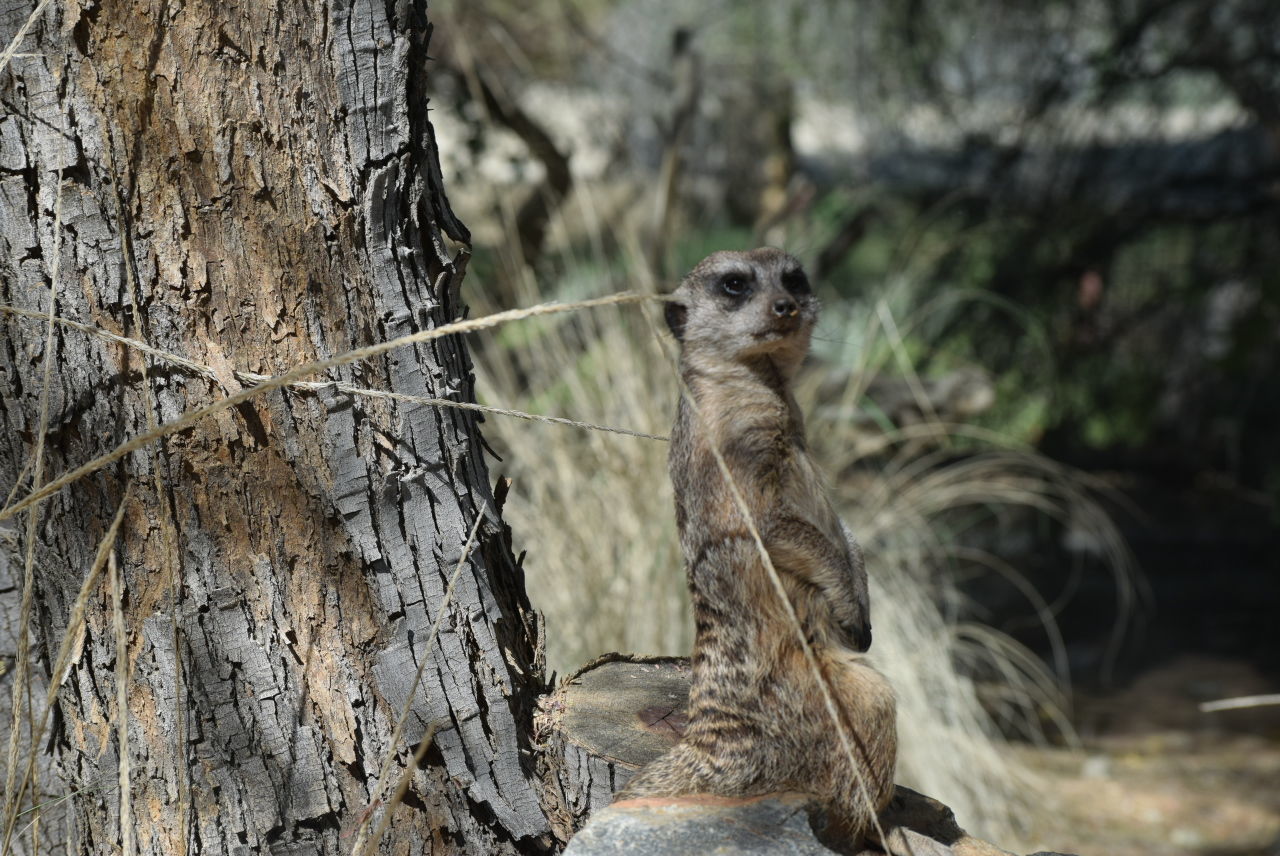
(734, 284)
(795, 282)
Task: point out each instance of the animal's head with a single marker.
(741, 306)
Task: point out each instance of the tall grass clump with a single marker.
(594, 511)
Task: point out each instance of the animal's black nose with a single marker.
(784, 306)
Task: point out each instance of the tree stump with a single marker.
(602, 724)
(618, 712)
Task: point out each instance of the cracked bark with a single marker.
(254, 187)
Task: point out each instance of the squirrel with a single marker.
(757, 720)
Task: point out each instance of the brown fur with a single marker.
(757, 720)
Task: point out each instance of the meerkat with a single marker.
(757, 719)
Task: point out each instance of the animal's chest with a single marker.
(775, 502)
(804, 493)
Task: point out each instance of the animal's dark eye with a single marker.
(796, 282)
(733, 285)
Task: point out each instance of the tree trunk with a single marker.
(254, 187)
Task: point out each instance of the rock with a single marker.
(907, 842)
(915, 825)
(777, 825)
(970, 846)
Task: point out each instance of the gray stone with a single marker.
(907, 842)
(693, 826)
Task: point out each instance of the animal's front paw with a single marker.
(857, 633)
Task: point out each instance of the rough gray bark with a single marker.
(253, 187)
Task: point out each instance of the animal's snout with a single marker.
(785, 307)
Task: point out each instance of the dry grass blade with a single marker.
(316, 386)
(402, 786)
(1240, 702)
(22, 666)
(17, 482)
(69, 795)
(1041, 606)
(16, 42)
(134, 344)
(122, 702)
(499, 411)
(1029, 691)
(847, 740)
(899, 348)
(811, 661)
(363, 845)
(171, 562)
(299, 372)
(62, 662)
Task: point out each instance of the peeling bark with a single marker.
(254, 187)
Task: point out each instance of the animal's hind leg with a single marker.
(869, 711)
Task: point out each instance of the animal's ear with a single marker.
(676, 314)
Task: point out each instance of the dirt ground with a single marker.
(1156, 775)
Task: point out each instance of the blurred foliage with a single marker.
(1042, 233)
(1080, 196)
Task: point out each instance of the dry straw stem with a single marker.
(169, 537)
(481, 408)
(847, 741)
(362, 846)
(21, 34)
(66, 649)
(21, 678)
(905, 366)
(1240, 702)
(811, 660)
(299, 372)
(318, 386)
(122, 701)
